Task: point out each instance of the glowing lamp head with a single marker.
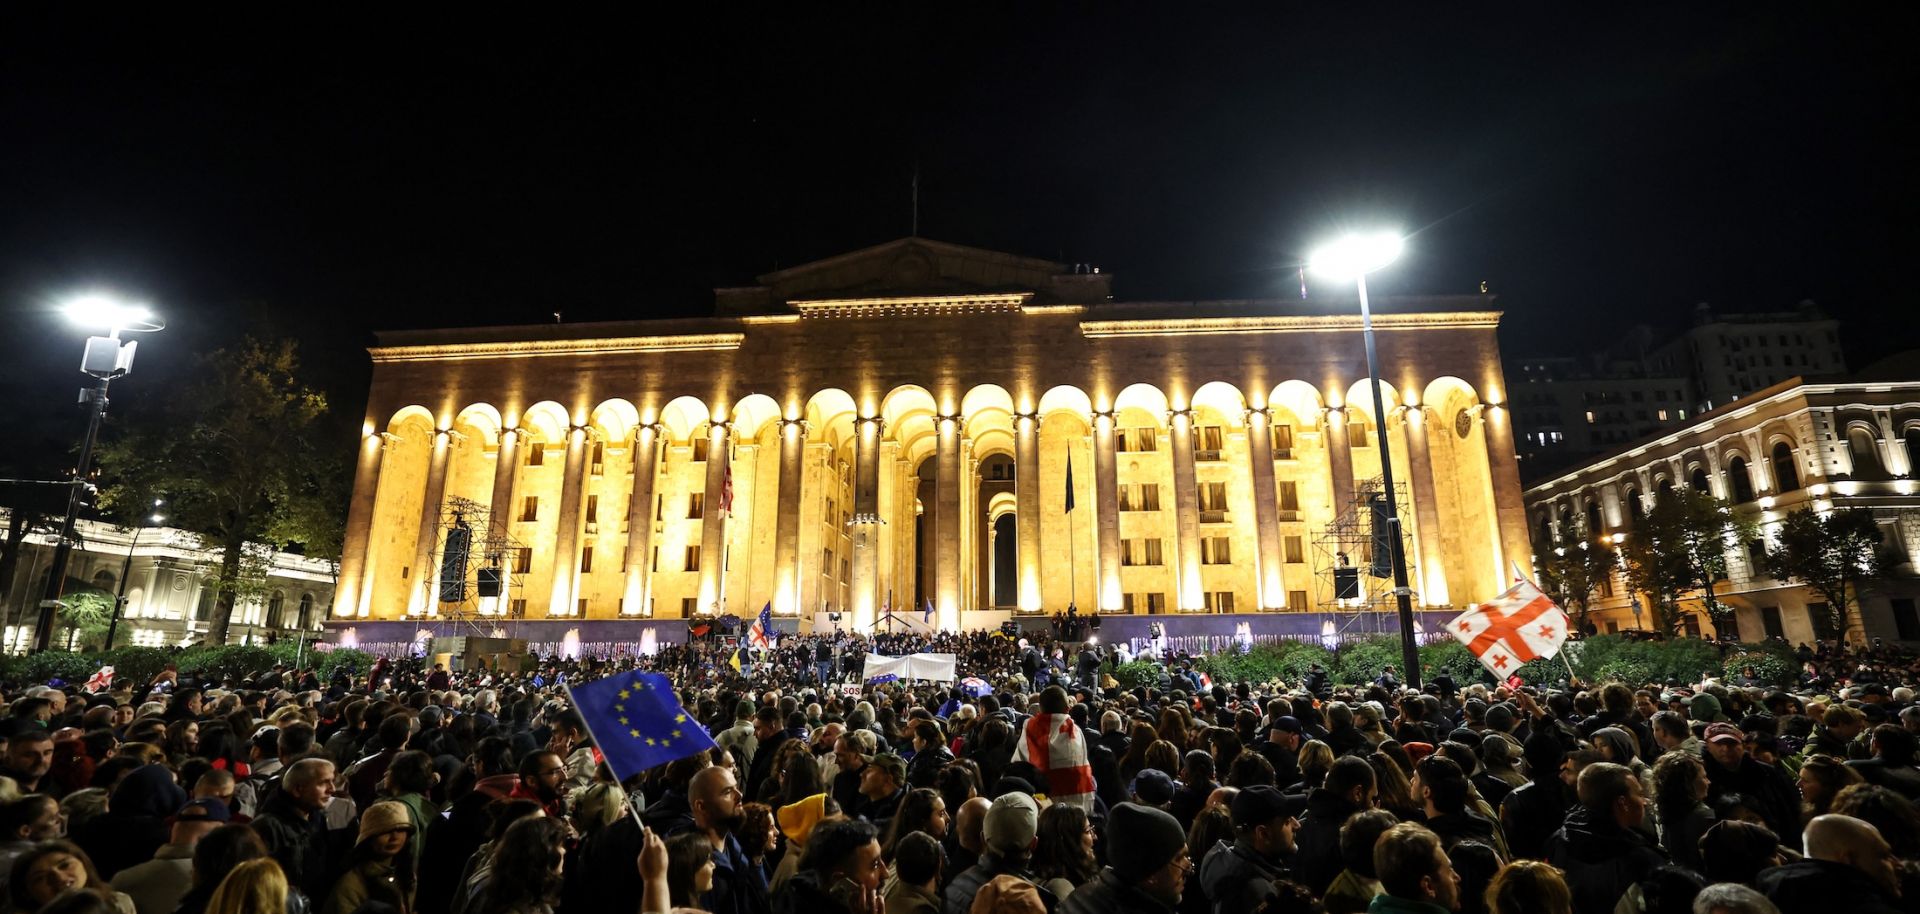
(1356, 255)
(101, 312)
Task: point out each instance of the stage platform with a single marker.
(574, 638)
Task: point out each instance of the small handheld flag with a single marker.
(1513, 628)
(734, 661)
(927, 616)
(637, 722)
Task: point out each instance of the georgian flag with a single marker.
(761, 635)
(1055, 745)
(1511, 629)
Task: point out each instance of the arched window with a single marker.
(275, 604)
(1738, 482)
(306, 610)
(1543, 535)
(104, 580)
(1634, 510)
(1698, 481)
(1912, 437)
(1663, 488)
(1785, 477)
(203, 610)
(1866, 454)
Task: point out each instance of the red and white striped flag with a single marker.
(726, 484)
(1511, 629)
(1055, 746)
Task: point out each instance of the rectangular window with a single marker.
(1156, 603)
(1906, 622)
(530, 508)
(586, 560)
(1206, 442)
(700, 446)
(826, 562)
(1770, 622)
(517, 608)
(1219, 601)
(1128, 603)
(689, 606)
(580, 607)
(523, 560)
(537, 455)
(1140, 552)
(1822, 620)
(656, 558)
(1213, 496)
(1589, 417)
(1140, 496)
(1282, 436)
(1296, 552)
(593, 509)
(1296, 601)
(693, 559)
(659, 507)
(1356, 434)
(599, 457)
(1216, 550)
(1289, 500)
(1663, 415)
(696, 505)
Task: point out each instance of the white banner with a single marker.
(936, 667)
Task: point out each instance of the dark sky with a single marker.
(336, 176)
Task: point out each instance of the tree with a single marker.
(1681, 547)
(88, 611)
(238, 450)
(1835, 556)
(1571, 571)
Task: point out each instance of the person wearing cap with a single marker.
(157, 885)
(380, 868)
(1238, 877)
(1152, 787)
(1009, 831)
(1146, 870)
(1282, 748)
(1731, 770)
(882, 784)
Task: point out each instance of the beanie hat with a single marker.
(1704, 707)
(1011, 823)
(383, 817)
(1141, 840)
(1500, 717)
(797, 820)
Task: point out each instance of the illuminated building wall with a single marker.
(890, 414)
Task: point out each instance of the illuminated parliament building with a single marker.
(921, 424)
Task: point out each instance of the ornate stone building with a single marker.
(905, 426)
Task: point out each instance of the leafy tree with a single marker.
(87, 611)
(239, 450)
(1681, 547)
(1836, 556)
(1571, 571)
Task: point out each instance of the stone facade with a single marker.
(883, 418)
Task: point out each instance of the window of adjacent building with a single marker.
(1219, 601)
(599, 457)
(1216, 550)
(826, 561)
(537, 455)
(523, 560)
(1770, 622)
(1636, 396)
(1138, 439)
(1213, 496)
(688, 606)
(1151, 602)
(517, 607)
(1289, 499)
(1663, 413)
(1206, 442)
(586, 560)
(659, 507)
(1145, 551)
(1906, 622)
(1357, 434)
(1682, 413)
(1821, 618)
(693, 559)
(1590, 419)
(593, 509)
(530, 508)
(696, 505)
(846, 570)
(700, 446)
(1295, 549)
(1282, 436)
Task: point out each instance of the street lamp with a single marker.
(104, 359)
(126, 569)
(1352, 258)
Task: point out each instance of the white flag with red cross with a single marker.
(1515, 627)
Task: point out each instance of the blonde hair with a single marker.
(257, 886)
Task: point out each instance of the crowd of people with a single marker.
(1033, 784)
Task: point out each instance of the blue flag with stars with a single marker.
(637, 722)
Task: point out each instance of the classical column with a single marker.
(887, 533)
(866, 520)
(1333, 427)
(355, 592)
(637, 565)
(566, 539)
(1426, 509)
(1496, 422)
(506, 468)
(1893, 447)
(1272, 589)
(1106, 499)
(786, 523)
(946, 523)
(1186, 514)
(713, 519)
(1716, 486)
(426, 577)
(1026, 518)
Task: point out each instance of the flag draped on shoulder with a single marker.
(761, 634)
(1513, 628)
(1054, 745)
(637, 722)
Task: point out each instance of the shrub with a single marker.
(1452, 658)
(139, 664)
(356, 661)
(1286, 661)
(1774, 667)
(1138, 674)
(1359, 660)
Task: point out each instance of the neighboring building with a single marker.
(169, 587)
(898, 427)
(1568, 409)
(1824, 444)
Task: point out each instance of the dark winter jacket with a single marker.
(1316, 860)
(1107, 894)
(1455, 827)
(1533, 812)
(297, 840)
(1600, 860)
(1236, 879)
(1822, 885)
(958, 898)
(926, 766)
(1767, 785)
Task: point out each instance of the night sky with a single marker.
(328, 177)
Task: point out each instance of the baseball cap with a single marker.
(1720, 733)
(1153, 786)
(1284, 724)
(1011, 823)
(1258, 805)
(891, 764)
(205, 809)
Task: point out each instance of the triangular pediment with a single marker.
(909, 267)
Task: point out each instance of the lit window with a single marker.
(1663, 415)
(1589, 417)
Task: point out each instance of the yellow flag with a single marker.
(734, 661)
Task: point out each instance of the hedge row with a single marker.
(141, 664)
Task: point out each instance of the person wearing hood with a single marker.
(1849, 867)
(840, 872)
(1238, 877)
(797, 822)
(1350, 788)
(1599, 849)
(1497, 776)
(135, 824)
(380, 870)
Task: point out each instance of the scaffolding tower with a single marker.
(489, 548)
(1356, 535)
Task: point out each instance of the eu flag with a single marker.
(637, 722)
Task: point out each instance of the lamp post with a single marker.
(126, 570)
(1352, 258)
(104, 359)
